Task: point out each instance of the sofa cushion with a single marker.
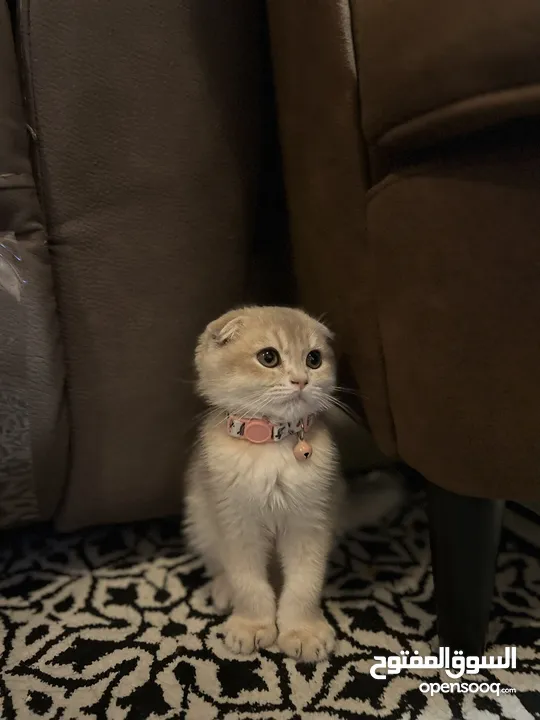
(458, 273)
(434, 70)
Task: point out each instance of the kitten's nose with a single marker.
(299, 382)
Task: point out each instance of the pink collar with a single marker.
(262, 430)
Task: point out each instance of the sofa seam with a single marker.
(378, 140)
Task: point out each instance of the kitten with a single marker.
(255, 488)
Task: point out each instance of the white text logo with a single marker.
(455, 666)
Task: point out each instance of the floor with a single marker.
(116, 623)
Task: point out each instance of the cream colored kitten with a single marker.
(245, 500)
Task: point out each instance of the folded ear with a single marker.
(225, 328)
(325, 331)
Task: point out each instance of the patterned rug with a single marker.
(116, 624)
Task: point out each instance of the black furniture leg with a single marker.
(464, 533)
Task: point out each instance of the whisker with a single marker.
(244, 404)
(351, 391)
(351, 414)
(247, 404)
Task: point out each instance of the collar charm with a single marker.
(302, 450)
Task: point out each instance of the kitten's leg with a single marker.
(245, 550)
(200, 528)
(235, 549)
(207, 546)
(303, 631)
(221, 593)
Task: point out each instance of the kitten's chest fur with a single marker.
(268, 477)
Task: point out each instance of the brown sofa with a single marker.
(411, 145)
(146, 132)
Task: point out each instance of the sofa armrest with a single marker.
(33, 424)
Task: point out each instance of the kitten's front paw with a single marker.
(310, 641)
(243, 635)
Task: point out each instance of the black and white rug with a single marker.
(116, 624)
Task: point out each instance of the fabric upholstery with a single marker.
(33, 423)
(413, 188)
(458, 267)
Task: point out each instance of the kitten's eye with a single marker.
(269, 357)
(314, 359)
